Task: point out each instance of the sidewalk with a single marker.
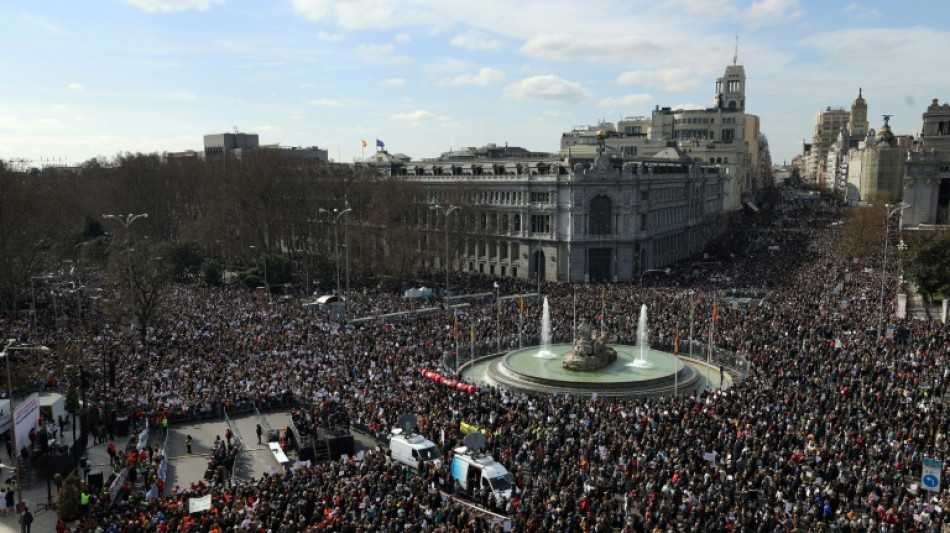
(184, 469)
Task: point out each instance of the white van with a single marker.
(474, 471)
(413, 449)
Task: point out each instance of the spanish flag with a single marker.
(676, 342)
(715, 312)
(364, 143)
(521, 302)
(455, 330)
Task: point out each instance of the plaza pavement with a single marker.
(183, 468)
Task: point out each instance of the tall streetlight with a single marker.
(889, 210)
(12, 346)
(127, 220)
(446, 210)
(266, 284)
(336, 213)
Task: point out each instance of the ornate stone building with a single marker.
(723, 134)
(927, 172)
(539, 216)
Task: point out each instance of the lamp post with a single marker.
(337, 213)
(11, 347)
(497, 319)
(889, 210)
(266, 284)
(127, 220)
(446, 210)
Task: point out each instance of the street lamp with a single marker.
(16, 448)
(266, 284)
(447, 210)
(497, 319)
(889, 210)
(337, 213)
(127, 220)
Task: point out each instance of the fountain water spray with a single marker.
(642, 341)
(545, 351)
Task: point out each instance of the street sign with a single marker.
(930, 474)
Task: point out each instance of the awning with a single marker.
(752, 206)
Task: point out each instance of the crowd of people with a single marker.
(827, 431)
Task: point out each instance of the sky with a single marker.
(100, 78)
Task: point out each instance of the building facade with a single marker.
(724, 135)
(926, 181)
(539, 216)
(230, 143)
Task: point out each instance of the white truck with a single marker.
(413, 450)
(473, 471)
(409, 448)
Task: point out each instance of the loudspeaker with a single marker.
(95, 482)
(340, 445)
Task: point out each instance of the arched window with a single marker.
(600, 215)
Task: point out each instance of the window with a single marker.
(516, 222)
(540, 224)
(540, 197)
(630, 151)
(600, 215)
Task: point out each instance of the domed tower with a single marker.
(886, 136)
(858, 121)
(730, 89)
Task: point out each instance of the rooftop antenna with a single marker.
(735, 58)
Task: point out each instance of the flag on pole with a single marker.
(473, 333)
(455, 329)
(692, 310)
(380, 144)
(364, 143)
(603, 303)
(521, 302)
(676, 342)
(715, 312)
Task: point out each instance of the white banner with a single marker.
(196, 505)
(143, 439)
(930, 474)
(27, 415)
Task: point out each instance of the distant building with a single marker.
(926, 180)
(230, 143)
(875, 168)
(311, 152)
(536, 215)
(724, 135)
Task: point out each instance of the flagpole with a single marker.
(603, 308)
(712, 328)
(574, 333)
(520, 319)
(473, 345)
(676, 370)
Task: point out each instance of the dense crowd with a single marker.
(827, 432)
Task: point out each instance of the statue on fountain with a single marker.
(590, 352)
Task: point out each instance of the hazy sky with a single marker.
(95, 78)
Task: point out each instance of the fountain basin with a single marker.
(522, 371)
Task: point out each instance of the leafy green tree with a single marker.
(927, 264)
(69, 505)
(211, 272)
